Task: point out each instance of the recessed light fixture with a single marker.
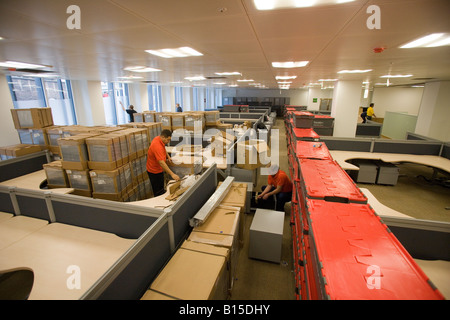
(431, 40)
(396, 76)
(355, 71)
(21, 65)
(130, 77)
(234, 73)
(284, 82)
(279, 4)
(245, 80)
(233, 85)
(196, 78)
(285, 77)
(175, 53)
(322, 80)
(220, 83)
(141, 69)
(289, 64)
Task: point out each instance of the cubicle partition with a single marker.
(157, 231)
(12, 168)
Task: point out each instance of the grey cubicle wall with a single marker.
(133, 272)
(158, 232)
(419, 147)
(347, 144)
(369, 129)
(16, 167)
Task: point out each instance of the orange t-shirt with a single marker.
(281, 179)
(156, 152)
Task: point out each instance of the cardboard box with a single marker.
(149, 116)
(104, 152)
(223, 221)
(211, 117)
(252, 154)
(56, 175)
(18, 150)
(220, 144)
(193, 273)
(186, 165)
(80, 181)
(32, 118)
(74, 151)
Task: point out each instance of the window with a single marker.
(35, 92)
(115, 96)
(179, 96)
(60, 99)
(154, 98)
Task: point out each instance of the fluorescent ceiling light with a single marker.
(130, 77)
(175, 53)
(355, 71)
(285, 77)
(431, 40)
(141, 69)
(289, 64)
(284, 82)
(396, 76)
(327, 80)
(196, 78)
(278, 4)
(233, 85)
(245, 80)
(234, 73)
(220, 83)
(20, 65)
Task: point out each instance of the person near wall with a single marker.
(179, 108)
(370, 112)
(278, 184)
(130, 111)
(364, 115)
(157, 162)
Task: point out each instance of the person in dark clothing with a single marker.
(130, 111)
(179, 108)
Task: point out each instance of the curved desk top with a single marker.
(341, 158)
(33, 181)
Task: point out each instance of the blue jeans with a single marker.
(282, 198)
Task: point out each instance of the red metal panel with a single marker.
(360, 257)
(312, 150)
(325, 179)
(305, 134)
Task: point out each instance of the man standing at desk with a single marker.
(278, 184)
(156, 162)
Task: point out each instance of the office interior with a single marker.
(262, 72)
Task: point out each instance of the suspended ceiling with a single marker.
(232, 35)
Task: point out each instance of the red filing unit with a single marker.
(304, 134)
(312, 150)
(303, 119)
(357, 257)
(325, 179)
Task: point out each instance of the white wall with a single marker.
(9, 135)
(393, 99)
(88, 102)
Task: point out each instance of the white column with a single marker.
(434, 112)
(88, 102)
(9, 134)
(345, 106)
(314, 93)
(138, 96)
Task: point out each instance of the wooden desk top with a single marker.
(18, 227)
(51, 250)
(433, 161)
(33, 181)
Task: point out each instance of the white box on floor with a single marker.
(266, 235)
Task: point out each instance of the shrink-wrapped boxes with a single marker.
(74, 152)
(56, 175)
(80, 181)
(32, 118)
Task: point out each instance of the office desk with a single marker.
(432, 161)
(50, 252)
(33, 181)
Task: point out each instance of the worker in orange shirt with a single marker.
(278, 184)
(157, 159)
